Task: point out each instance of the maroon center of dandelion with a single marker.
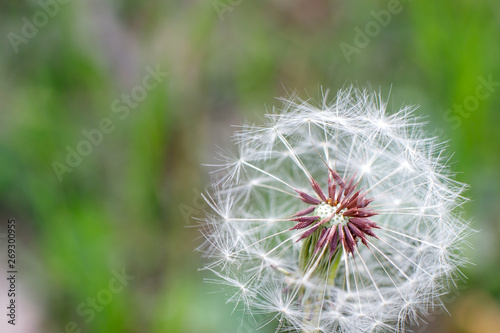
(343, 215)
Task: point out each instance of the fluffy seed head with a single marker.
(337, 217)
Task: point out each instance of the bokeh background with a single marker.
(127, 204)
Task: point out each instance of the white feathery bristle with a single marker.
(383, 287)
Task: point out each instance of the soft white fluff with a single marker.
(385, 287)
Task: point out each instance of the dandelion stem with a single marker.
(318, 263)
(335, 266)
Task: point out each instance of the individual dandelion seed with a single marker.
(337, 217)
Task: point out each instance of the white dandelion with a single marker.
(336, 217)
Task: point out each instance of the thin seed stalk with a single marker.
(327, 268)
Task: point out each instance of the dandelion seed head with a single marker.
(336, 216)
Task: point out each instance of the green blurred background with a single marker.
(127, 204)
